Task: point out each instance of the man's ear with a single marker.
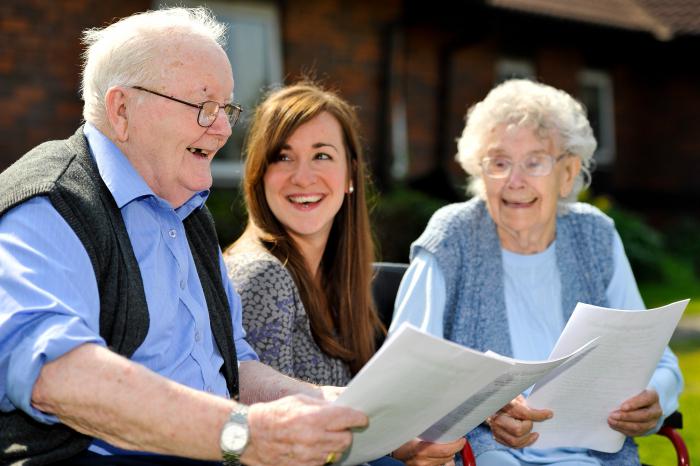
(571, 169)
(116, 101)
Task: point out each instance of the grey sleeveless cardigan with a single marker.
(66, 173)
(462, 237)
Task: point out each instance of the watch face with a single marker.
(234, 438)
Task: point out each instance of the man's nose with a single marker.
(221, 126)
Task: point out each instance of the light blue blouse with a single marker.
(530, 281)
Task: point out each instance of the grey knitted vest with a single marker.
(462, 238)
(66, 173)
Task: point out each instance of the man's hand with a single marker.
(331, 393)
(420, 453)
(512, 424)
(637, 415)
(299, 430)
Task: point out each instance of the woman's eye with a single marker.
(322, 156)
(281, 158)
(534, 162)
(500, 163)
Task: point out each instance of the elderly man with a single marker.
(119, 331)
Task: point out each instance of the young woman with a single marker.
(303, 266)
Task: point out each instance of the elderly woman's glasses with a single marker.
(532, 165)
(208, 111)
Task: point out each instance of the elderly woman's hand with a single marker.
(512, 424)
(637, 415)
(420, 453)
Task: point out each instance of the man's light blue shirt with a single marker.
(49, 302)
(532, 288)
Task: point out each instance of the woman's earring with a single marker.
(351, 189)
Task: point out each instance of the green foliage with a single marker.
(398, 218)
(228, 209)
(679, 282)
(682, 240)
(666, 263)
(643, 244)
(657, 450)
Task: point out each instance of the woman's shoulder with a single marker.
(454, 230)
(249, 259)
(582, 212)
(456, 215)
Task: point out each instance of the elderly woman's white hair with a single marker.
(125, 53)
(523, 103)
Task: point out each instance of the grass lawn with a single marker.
(679, 282)
(657, 450)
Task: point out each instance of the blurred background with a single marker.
(413, 68)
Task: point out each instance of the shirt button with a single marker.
(172, 233)
(197, 336)
(208, 389)
(182, 284)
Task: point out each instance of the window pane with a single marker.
(254, 49)
(596, 93)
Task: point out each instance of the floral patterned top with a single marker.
(275, 320)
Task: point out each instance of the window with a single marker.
(509, 68)
(596, 94)
(255, 51)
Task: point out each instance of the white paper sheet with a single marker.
(416, 381)
(630, 346)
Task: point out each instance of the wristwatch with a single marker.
(235, 435)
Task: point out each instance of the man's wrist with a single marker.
(235, 435)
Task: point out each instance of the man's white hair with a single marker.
(516, 103)
(126, 52)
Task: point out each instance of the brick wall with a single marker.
(656, 96)
(341, 43)
(444, 64)
(39, 67)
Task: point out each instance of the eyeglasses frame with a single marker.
(555, 160)
(200, 106)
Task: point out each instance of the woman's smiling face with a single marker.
(305, 185)
(524, 207)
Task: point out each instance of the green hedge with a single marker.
(400, 216)
(398, 219)
(228, 209)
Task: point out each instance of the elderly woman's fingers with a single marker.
(421, 453)
(645, 398)
(648, 414)
(637, 415)
(519, 409)
(515, 441)
(515, 433)
(631, 429)
(633, 423)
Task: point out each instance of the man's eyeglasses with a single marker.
(208, 111)
(533, 165)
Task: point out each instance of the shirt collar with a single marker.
(122, 179)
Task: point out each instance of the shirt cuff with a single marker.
(49, 340)
(665, 383)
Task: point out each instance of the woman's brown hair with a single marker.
(343, 319)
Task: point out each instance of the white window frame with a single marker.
(507, 68)
(227, 168)
(605, 152)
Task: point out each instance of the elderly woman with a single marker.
(504, 271)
